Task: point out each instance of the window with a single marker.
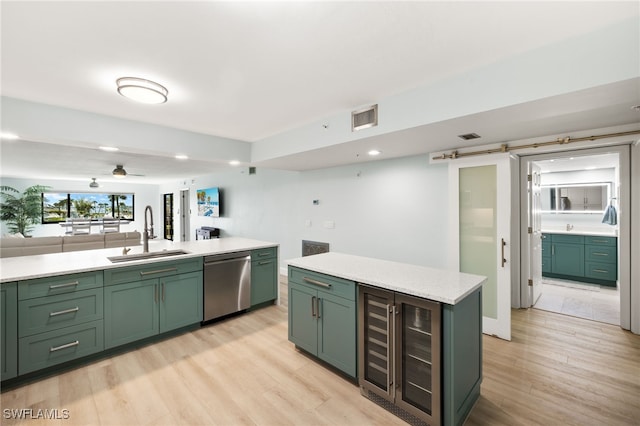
(58, 207)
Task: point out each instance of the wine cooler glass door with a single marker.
(419, 355)
(377, 337)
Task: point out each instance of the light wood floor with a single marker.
(557, 370)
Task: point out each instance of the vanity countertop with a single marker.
(598, 233)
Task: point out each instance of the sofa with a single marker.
(12, 246)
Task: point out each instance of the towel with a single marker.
(610, 216)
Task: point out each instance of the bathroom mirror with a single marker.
(576, 198)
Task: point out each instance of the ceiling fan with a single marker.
(93, 183)
(120, 172)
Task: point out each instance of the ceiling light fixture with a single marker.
(119, 172)
(8, 136)
(234, 163)
(181, 157)
(108, 148)
(141, 90)
(93, 183)
(374, 152)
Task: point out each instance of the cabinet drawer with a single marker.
(602, 241)
(58, 346)
(55, 312)
(333, 285)
(153, 270)
(571, 239)
(266, 253)
(604, 254)
(603, 271)
(50, 286)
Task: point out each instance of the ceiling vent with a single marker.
(469, 136)
(364, 118)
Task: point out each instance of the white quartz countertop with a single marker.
(429, 283)
(602, 233)
(28, 267)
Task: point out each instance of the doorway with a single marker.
(585, 250)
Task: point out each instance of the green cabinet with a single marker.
(59, 319)
(322, 317)
(9, 330)
(160, 297)
(590, 259)
(264, 275)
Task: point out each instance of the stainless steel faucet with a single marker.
(148, 231)
(569, 227)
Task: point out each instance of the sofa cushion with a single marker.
(82, 242)
(121, 239)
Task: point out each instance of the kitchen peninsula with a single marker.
(410, 335)
(59, 309)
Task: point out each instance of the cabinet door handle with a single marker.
(162, 292)
(313, 306)
(315, 282)
(66, 311)
(393, 350)
(65, 346)
(73, 284)
(318, 307)
(553, 250)
(157, 271)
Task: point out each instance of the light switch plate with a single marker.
(329, 224)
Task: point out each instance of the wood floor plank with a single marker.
(557, 370)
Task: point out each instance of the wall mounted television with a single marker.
(208, 202)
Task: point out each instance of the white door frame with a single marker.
(624, 224)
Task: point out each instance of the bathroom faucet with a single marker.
(148, 231)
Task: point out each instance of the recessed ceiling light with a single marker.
(234, 163)
(109, 148)
(8, 136)
(181, 157)
(374, 152)
(142, 90)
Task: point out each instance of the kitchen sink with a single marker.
(143, 256)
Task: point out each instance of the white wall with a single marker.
(144, 195)
(391, 209)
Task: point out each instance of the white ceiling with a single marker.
(250, 70)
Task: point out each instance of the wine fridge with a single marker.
(399, 353)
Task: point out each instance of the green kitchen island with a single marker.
(411, 336)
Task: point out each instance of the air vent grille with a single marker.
(469, 136)
(364, 118)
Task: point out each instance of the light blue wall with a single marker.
(390, 209)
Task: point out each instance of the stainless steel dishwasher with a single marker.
(227, 284)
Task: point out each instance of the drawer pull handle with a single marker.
(263, 254)
(66, 311)
(312, 281)
(601, 271)
(54, 287)
(600, 254)
(61, 347)
(265, 262)
(599, 241)
(158, 271)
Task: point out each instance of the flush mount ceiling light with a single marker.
(374, 152)
(142, 90)
(108, 148)
(8, 136)
(119, 172)
(181, 157)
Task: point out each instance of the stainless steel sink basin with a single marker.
(143, 256)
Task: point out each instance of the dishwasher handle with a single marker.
(213, 261)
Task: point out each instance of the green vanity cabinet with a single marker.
(567, 255)
(60, 319)
(322, 317)
(9, 330)
(160, 297)
(585, 258)
(264, 275)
